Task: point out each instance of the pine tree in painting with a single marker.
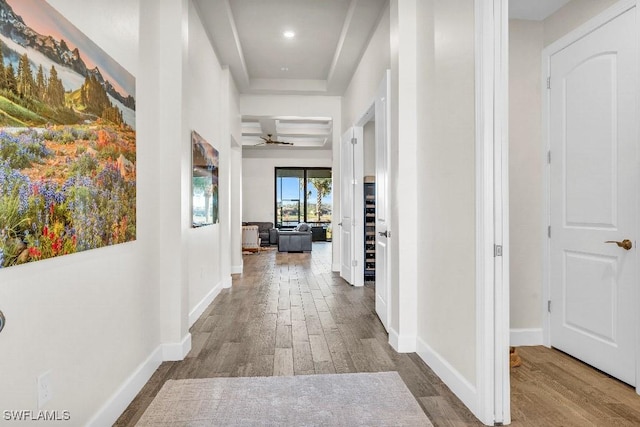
(55, 90)
(41, 84)
(10, 79)
(25, 83)
(3, 80)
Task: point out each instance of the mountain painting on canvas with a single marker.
(67, 139)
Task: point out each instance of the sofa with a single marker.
(268, 235)
(296, 240)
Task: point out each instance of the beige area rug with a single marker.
(366, 399)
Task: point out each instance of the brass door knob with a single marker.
(626, 243)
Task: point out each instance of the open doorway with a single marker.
(369, 191)
(563, 275)
(374, 158)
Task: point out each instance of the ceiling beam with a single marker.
(343, 36)
(246, 79)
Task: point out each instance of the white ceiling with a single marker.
(534, 10)
(330, 38)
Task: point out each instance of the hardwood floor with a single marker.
(288, 314)
(554, 389)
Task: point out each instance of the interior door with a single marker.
(382, 219)
(347, 207)
(594, 184)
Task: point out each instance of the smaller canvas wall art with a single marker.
(204, 183)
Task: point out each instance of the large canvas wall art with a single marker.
(204, 183)
(67, 139)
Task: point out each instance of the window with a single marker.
(303, 195)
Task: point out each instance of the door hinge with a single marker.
(354, 263)
(549, 82)
(497, 250)
(549, 306)
(354, 141)
(549, 231)
(549, 157)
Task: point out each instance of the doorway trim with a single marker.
(492, 212)
(358, 161)
(583, 30)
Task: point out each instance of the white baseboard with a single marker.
(176, 351)
(522, 337)
(202, 305)
(118, 402)
(458, 384)
(237, 269)
(402, 344)
(226, 282)
(335, 267)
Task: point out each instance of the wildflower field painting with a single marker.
(67, 139)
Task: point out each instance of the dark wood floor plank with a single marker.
(302, 358)
(283, 362)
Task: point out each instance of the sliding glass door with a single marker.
(303, 195)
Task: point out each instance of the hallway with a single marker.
(288, 314)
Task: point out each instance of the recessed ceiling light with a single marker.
(289, 34)
(284, 69)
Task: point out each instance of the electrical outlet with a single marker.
(45, 390)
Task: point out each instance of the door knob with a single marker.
(383, 233)
(626, 243)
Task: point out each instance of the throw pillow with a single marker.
(302, 227)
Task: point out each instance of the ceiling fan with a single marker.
(269, 141)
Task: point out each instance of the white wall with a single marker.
(403, 186)
(570, 16)
(375, 61)
(525, 172)
(103, 320)
(235, 120)
(258, 179)
(446, 181)
(208, 247)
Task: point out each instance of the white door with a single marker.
(382, 218)
(594, 184)
(346, 207)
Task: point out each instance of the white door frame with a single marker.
(365, 117)
(580, 32)
(492, 212)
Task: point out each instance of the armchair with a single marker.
(296, 240)
(266, 232)
(250, 238)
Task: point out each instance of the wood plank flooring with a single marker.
(288, 314)
(554, 389)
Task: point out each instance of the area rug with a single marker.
(366, 399)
